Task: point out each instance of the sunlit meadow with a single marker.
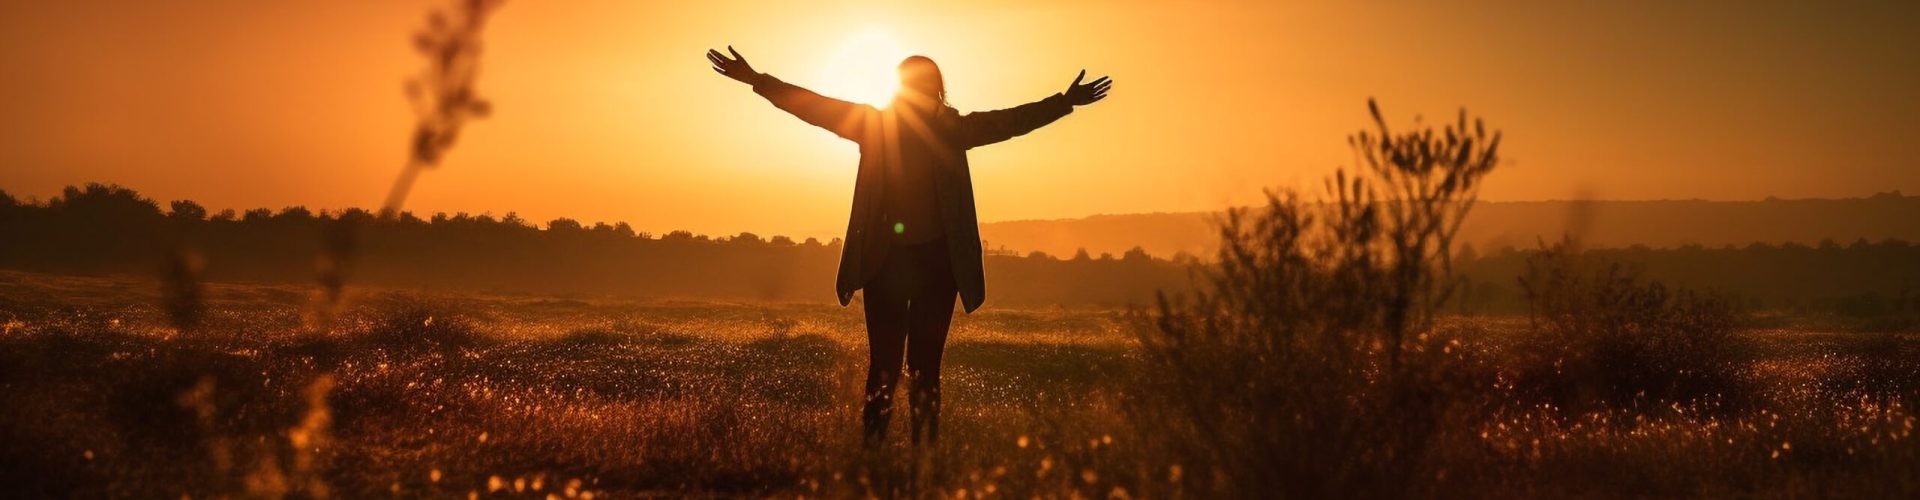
(425, 394)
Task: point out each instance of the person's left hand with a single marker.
(1089, 93)
(735, 68)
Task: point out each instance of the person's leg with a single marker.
(929, 321)
(929, 317)
(887, 322)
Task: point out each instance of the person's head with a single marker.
(920, 82)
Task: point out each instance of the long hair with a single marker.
(918, 74)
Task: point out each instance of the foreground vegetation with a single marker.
(446, 394)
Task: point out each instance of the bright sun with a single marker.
(864, 69)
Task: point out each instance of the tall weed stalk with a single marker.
(444, 100)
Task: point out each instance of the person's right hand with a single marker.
(1091, 92)
(735, 68)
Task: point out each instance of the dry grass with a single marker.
(626, 398)
(526, 396)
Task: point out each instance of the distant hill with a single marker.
(1656, 224)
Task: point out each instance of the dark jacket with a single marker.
(903, 136)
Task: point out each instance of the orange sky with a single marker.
(605, 110)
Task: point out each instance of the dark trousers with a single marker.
(909, 306)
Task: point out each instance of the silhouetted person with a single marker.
(912, 242)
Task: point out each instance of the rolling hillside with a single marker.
(1658, 224)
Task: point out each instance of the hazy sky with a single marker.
(605, 110)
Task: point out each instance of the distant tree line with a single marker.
(1858, 279)
(107, 229)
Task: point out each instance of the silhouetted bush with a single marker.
(1305, 368)
(1601, 336)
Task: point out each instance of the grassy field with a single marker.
(426, 394)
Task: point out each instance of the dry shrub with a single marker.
(1304, 369)
(410, 328)
(1602, 337)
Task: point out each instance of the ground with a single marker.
(459, 394)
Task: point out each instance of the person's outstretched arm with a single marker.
(843, 118)
(988, 127)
